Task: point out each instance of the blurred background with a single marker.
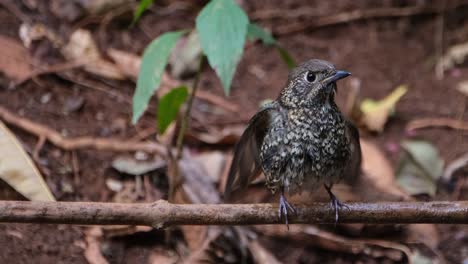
(68, 69)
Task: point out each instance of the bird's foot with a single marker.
(335, 203)
(284, 207)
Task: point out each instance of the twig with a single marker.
(163, 214)
(437, 122)
(361, 14)
(58, 140)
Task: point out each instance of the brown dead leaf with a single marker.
(261, 255)
(15, 62)
(93, 253)
(310, 235)
(82, 48)
(214, 163)
(163, 256)
(228, 135)
(128, 63)
(378, 179)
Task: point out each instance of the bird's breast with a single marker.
(306, 148)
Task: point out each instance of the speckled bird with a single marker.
(301, 141)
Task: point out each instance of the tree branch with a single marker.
(163, 214)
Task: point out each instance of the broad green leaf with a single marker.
(152, 67)
(286, 57)
(144, 4)
(255, 32)
(222, 28)
(17, 169)
(169, 105)
(420, 167)
(375, 113)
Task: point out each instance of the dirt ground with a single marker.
(381, 53)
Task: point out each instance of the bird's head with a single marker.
(312, 83)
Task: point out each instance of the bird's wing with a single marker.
(246, 165)
(353, 168)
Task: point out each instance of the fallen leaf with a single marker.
(15, 62)
(213, 162)
(29, 33)
(376, 113)
(18, 170)
(93, 252)
(228, 135)
(454, 166)
(420, 168)
(379, 174)
(311, 235)
(462, 87)
(163, 256)
(128, 63)
(82, 48)
(131, 166)
(455, 55)
(261, 255)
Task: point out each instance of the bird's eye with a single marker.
(311, 77)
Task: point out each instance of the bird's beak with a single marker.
(335, 77)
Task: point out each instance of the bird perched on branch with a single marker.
(300, 141)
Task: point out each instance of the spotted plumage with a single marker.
(300, 141)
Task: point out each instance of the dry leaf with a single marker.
(378, 179)
(462, 87)
(310, 235)
(29, 33)
(261, 255)
(420, 168)
(82, 48)
(131, 166)
(128, 63)
(92, 252)
(213, 162)
(18, 170)
(15, 61)
(454, 55)
(228, 135)
(376, 113)
(163, 256)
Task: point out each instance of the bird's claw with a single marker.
(335, 203)
(284, 207)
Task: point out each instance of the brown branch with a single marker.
(361, 14)
(58, 140)
(163, 214)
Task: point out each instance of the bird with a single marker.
(300, 141)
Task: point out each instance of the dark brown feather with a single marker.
(246, 164)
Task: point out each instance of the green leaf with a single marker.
(420, 167)
(222, 28)
(169, 105)
(152, 67)
(18, 170)
(286, 57)
(255, 32)
(144, 4)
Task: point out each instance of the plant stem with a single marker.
(186, 117)
(173, 172)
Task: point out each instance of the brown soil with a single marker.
(380, 53)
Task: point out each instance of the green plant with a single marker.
(222, 28)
